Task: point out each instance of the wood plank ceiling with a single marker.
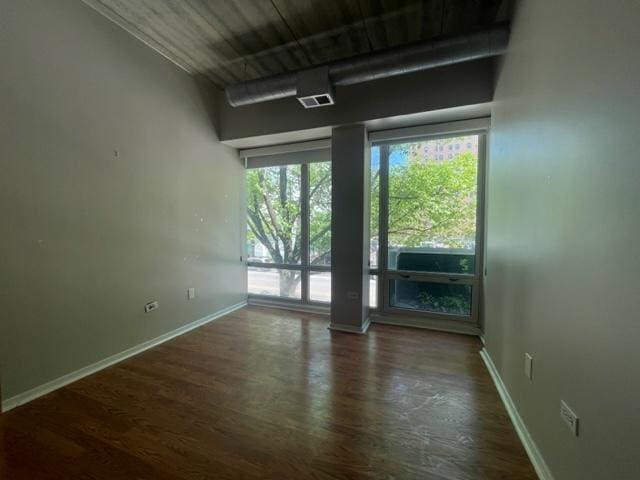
(229, 41)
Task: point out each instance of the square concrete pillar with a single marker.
(350, 178)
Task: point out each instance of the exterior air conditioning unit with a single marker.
(314, 88)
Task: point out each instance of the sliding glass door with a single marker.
(289, 231)
(429, 225)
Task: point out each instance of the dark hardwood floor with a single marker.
(272, 394)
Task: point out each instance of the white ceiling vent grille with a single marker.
(314, 101)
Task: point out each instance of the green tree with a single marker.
(433, 201)
(274, 216)
(430, 202)
(320, 213)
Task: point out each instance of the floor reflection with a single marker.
(274, 394)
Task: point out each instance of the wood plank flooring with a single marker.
(270, 394)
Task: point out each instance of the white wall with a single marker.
(88, 237)
(563, 227)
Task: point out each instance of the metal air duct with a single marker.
(376, 65)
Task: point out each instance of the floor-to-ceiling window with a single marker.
(289, 227)
(426, 227)
(274, 230)
(319, 195)
(425, 230)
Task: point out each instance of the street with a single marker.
(267, 282)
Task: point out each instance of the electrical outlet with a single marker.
(569, 417)
(528, 366)
(151, 306)
(191, 293)
(352, 295)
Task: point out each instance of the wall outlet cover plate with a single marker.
(151, 306)
(569, 417)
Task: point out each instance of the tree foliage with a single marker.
(273, 206)
(320, 213)
(431, 203)
(274, 216)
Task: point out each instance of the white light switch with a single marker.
(191, 293)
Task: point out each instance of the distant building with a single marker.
(447, 148)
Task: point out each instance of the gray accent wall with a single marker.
(563, 229)
(114, 191)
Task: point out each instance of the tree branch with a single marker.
(257, 227)
(318, 185)
(324, 230)
(260, 224)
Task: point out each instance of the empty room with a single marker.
(319, 239)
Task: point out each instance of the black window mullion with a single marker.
(383, 209)
(304, 243)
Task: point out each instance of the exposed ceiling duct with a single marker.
(376, 65)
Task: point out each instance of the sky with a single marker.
(397, 157)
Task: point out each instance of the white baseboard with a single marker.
(294, 307)
(350, 328)
(535, 456)
(60, 382)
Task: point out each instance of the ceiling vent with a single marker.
(314, 88)
(316, 101)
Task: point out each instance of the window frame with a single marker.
(303, 154)
(259, 157)
(386, 275)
